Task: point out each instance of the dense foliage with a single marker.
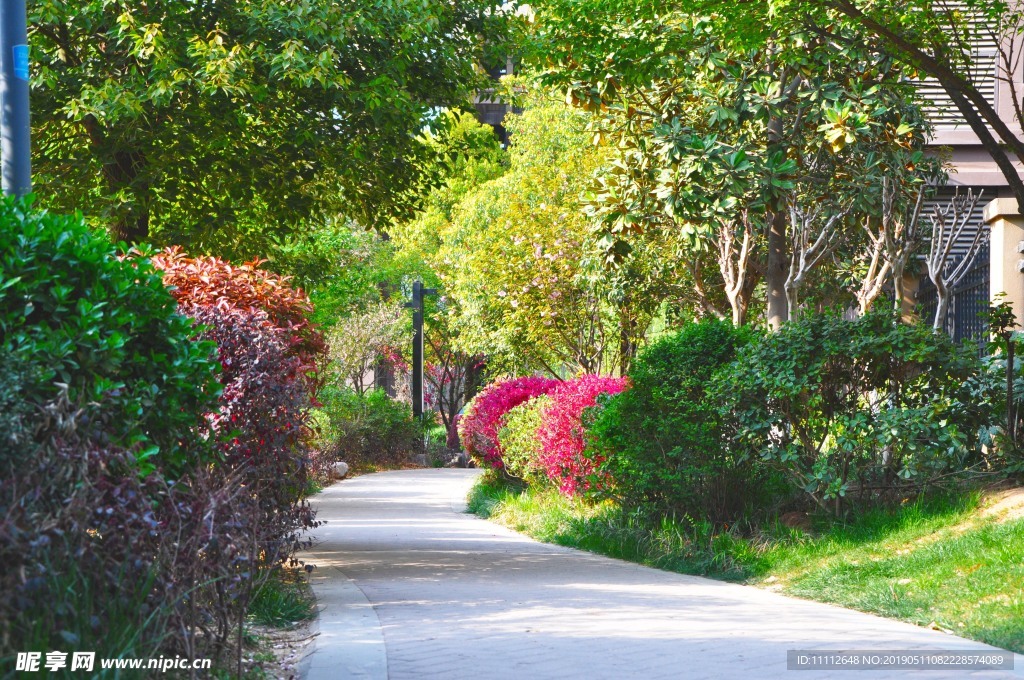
(367, 430)
(851, 410)
(81, 325)
(957, 44)
(223, 124)
(262, 419)
(772, 164)
(561, 436)
(485, 416)
(104, 394)
(214, 282)
(551, 305)
(140, 499)
(665, 443)
(340, 265)
(270, 357)
(520, 448)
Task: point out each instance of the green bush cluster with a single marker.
(149, 480)
(103, 393)
(720, 423)
(371, 430)
(518, 439)
(856, 409)
(666, 443)
(80, 323)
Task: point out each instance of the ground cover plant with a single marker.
(283, 600)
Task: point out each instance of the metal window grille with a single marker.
(969, 300)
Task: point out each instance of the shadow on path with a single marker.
(411, 587)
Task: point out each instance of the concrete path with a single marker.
(410, 587)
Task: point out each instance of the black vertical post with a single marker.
(417, 349)
(14, 120)
(418, 291)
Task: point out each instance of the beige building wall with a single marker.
(1006, 227)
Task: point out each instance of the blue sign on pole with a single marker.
(20, 61)
(15, 143)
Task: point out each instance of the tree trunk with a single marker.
(122, 174)
(627, 343)
(941, 306)
(899, 288)
(776, 271)
(474, 373)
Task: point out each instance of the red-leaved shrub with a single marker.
(484, 416)
(212, 282)
(562, 434)
(139, 500)
(271, 360)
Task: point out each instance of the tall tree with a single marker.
(185, 120)
(942, 39)
(515, 257)
(769, 153)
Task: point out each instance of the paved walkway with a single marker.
(410, 587)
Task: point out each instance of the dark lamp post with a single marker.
(418, 291)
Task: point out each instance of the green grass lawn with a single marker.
(938, 563)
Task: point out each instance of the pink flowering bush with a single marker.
(485, 415)
(562, 433)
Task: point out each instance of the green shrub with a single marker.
(369, 430)
(857, 409)
(664, 442)
(74, 314)
(519, 442)
(113, 528)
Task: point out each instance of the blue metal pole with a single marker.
(14, 117)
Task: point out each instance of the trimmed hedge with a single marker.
(665, 444)
(485, 415)
(520, 446)
(561, 436)
(103, 333)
